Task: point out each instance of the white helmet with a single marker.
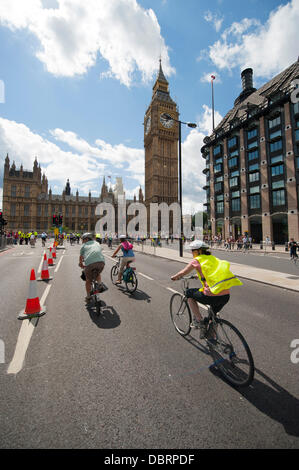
(122, 236)
(87, 236)
(197, 245)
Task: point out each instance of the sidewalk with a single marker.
(265, 276)
(255, 248)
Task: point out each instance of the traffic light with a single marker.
(2, 220)
(60, 219)
(55, 220)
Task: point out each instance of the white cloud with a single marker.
(120, 156)
(83, 164)
(72, 35)
(205, 120)
(206, 77)
(193, 163)
(214, 19)
(267, 48)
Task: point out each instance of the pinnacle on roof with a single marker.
(161, 76)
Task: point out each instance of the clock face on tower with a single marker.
(147, 125)
(168, 123)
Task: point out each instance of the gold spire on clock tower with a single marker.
(161, 145)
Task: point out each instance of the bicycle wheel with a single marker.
(132, 282)
(114, 274)
(231, 353)
(180, 314)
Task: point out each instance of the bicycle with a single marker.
(129, 276)
(227, 346)
(95, 291)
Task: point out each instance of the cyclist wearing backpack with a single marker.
(128, 255)
(216, 280)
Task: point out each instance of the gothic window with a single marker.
(12, 210)
(26, 210)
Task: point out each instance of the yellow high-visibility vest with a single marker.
(217, 274)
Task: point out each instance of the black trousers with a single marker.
(216, 302)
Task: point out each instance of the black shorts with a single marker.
(216, 302)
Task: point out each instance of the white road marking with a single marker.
(147, 277)
(175, 291)
(40, 266)
(24, 338)
(113, 259)
(58, 265)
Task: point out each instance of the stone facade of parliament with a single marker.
(28, 204)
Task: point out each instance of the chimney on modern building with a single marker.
(247, 79)
(247, 85)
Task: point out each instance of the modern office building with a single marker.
(252, 162)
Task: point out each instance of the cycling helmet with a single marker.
(123, 237)
(87, 235)
(197, 245)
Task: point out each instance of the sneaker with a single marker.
(102, 287)
(195, 323)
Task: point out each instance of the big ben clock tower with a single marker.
(161, 146)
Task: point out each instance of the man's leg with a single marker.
(88, 287)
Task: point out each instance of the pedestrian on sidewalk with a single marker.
(293, 248)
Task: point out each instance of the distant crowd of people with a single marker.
(21, 237)
(230, 243)
(242, 242)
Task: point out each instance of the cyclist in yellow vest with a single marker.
(216, 280)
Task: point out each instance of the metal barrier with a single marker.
(2, 242)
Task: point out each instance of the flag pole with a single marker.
(213, 120)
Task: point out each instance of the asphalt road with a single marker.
(127, 380)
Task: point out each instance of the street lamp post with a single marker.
(167, 117)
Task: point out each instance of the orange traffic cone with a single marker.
(50, 259)
(54, 252)
(33, 308)
(45, 276)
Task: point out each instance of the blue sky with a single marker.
(78, 79)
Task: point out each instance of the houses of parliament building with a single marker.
(28, 203)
